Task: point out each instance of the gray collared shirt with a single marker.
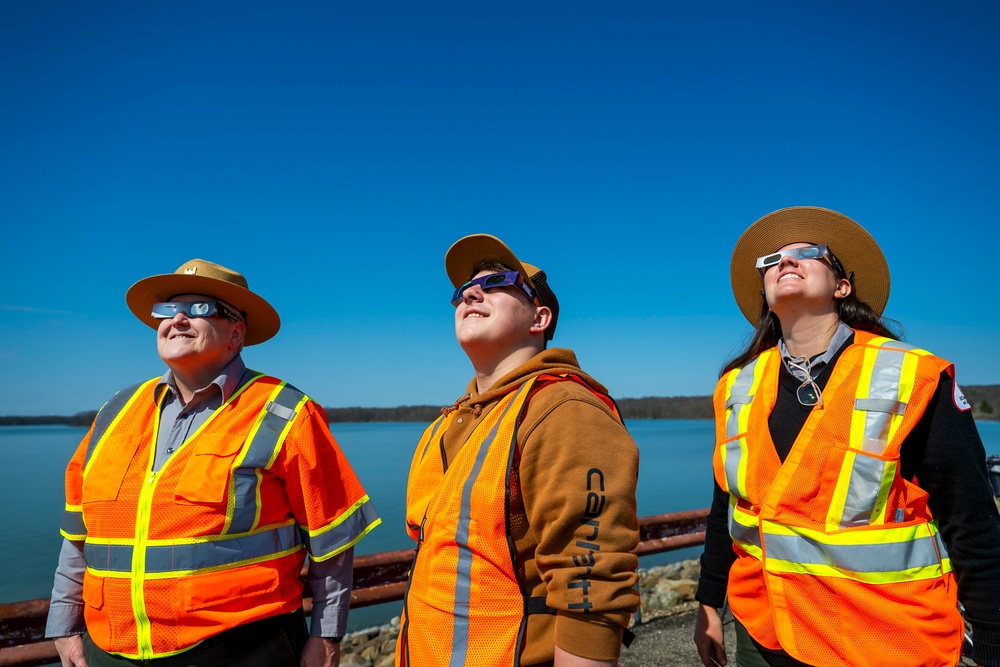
(179, 421)
(840, 336)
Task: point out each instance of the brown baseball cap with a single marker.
(465, 253)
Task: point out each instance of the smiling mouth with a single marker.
(790, 275)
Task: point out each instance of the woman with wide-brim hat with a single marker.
(852, 507)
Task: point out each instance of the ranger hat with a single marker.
(198, 276)
(468, 251)
(857, 251)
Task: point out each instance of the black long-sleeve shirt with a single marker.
(943, 455)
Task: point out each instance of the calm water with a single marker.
(675, 474)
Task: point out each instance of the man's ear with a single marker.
(238, 334)
(543, 318)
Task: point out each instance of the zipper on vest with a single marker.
(144, 639)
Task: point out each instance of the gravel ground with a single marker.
(667, 641)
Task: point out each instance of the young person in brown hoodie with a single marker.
(521, 496)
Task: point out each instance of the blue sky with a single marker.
(332, 151)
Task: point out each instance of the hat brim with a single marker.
(854, 247)
(262, 319)
(465, 253)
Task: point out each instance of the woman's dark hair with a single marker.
(852, 311)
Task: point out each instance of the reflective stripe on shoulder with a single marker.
(264, 442)
(742, 387)
(110, 413)
(888, 373)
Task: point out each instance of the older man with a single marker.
(521, 497)
(194, 498)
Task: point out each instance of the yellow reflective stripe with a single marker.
(744, 418)
(912, 574)
(144, 635)
(882, 501)
(114, 422)
(887, 534)
(339, 520)
(907, 378)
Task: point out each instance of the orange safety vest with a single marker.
(210, 541)
(839, 560)
(464, 604)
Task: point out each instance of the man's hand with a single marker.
(319, 652)
(71, 651)
(708, 637)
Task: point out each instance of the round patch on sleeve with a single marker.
(961, 402)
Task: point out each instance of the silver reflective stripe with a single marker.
(739, 395)
(743, 534)
(192, 557)
(72, 523)
(880, 405)
(108, 557)
(739, 399)
(336, 539)
(884, 388)
(277, 414)
(883, 557)
(463, 580)
(862, 491)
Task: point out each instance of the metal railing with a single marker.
(378, 578)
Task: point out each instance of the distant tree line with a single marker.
(985, 401)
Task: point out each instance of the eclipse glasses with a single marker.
(806, 252)
(503, 279)
(165, 310)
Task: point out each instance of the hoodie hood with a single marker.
(555, 361)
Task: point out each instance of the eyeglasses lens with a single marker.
(808, 393)
(498, 280)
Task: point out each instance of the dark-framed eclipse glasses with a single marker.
(165, 310)
(818, 251)
(502, 279)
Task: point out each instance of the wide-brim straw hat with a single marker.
(854, 247)
(198, 276)
(465, 253)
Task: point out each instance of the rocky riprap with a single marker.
(666, 590)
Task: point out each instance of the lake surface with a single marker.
(674, 474)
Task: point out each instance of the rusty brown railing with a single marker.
(378, 578)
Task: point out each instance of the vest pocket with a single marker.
(103, 479)
(206, 474)
(218, 589)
